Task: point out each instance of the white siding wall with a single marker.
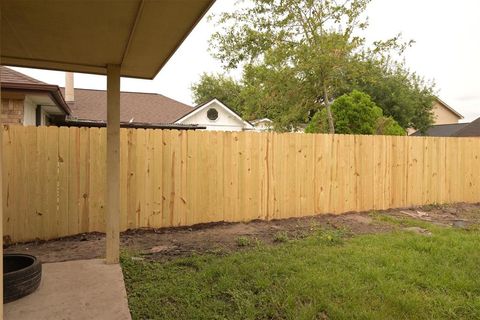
(29, 113)
(224, 122)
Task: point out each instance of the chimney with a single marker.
(69, 87)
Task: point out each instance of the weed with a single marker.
(330, 237)
(244, 241)
(281, 236)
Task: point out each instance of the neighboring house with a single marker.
(453, 130)
(215, 115)
(445, 121)
(444, 114)
(138, 109)
(471, 130)
(264, 124)
(27, 101)
(441, 130)
(89, 108)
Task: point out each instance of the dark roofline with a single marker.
(193, 109)
(428, 133)
(448, 124)
(52, 90)
(136, 92)
(203, 104)
(69, 122)
(466, 131)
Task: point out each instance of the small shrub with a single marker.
(281, 236)
(243, 241)
(373, 214)
(314, 225)
(330, 237)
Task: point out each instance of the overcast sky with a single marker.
(447, 50)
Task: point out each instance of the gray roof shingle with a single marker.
(442, 130)
(471, 130)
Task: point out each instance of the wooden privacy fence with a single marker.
(54, 178)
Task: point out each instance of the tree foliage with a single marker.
(222, 87)
(298, 56)
(402, 95)
(355, 113)
(389, 127)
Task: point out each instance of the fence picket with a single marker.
(54, 178)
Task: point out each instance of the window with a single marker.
(212, 114)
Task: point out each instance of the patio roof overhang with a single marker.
(87, 35)
(129, 38)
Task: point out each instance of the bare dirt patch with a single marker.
(221, 238)
(462, 215)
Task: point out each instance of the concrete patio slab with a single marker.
(83, 289)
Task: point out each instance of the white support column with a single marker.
(113, 165)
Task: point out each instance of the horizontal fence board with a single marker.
(55, 178)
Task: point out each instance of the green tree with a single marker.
(388, 126)
(401, 94)
(298, 56)
(276, 94)
(311, 41)
(355, 113)
(222, 87)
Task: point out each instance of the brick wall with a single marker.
(12, 110)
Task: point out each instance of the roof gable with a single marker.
(205, 106)
(446, 106)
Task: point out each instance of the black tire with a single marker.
(22, 274)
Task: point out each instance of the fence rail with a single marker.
(54, 178)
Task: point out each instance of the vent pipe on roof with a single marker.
(69, 87)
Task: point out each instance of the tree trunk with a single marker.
(331, 125)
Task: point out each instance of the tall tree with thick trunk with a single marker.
(297, 56)
(313, 38)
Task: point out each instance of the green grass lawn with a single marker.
(398, 275)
